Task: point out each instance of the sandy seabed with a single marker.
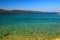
(15, 37)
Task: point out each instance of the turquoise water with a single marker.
(43, 24)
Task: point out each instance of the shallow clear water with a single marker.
(43, 24)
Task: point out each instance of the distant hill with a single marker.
(2, 10)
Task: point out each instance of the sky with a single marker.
(36, 5)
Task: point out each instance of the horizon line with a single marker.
(33, 10)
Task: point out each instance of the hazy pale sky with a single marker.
(38, 5)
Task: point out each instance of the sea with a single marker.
(30, 23)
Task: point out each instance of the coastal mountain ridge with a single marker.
(2, 10)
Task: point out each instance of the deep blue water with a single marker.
(30, 17)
